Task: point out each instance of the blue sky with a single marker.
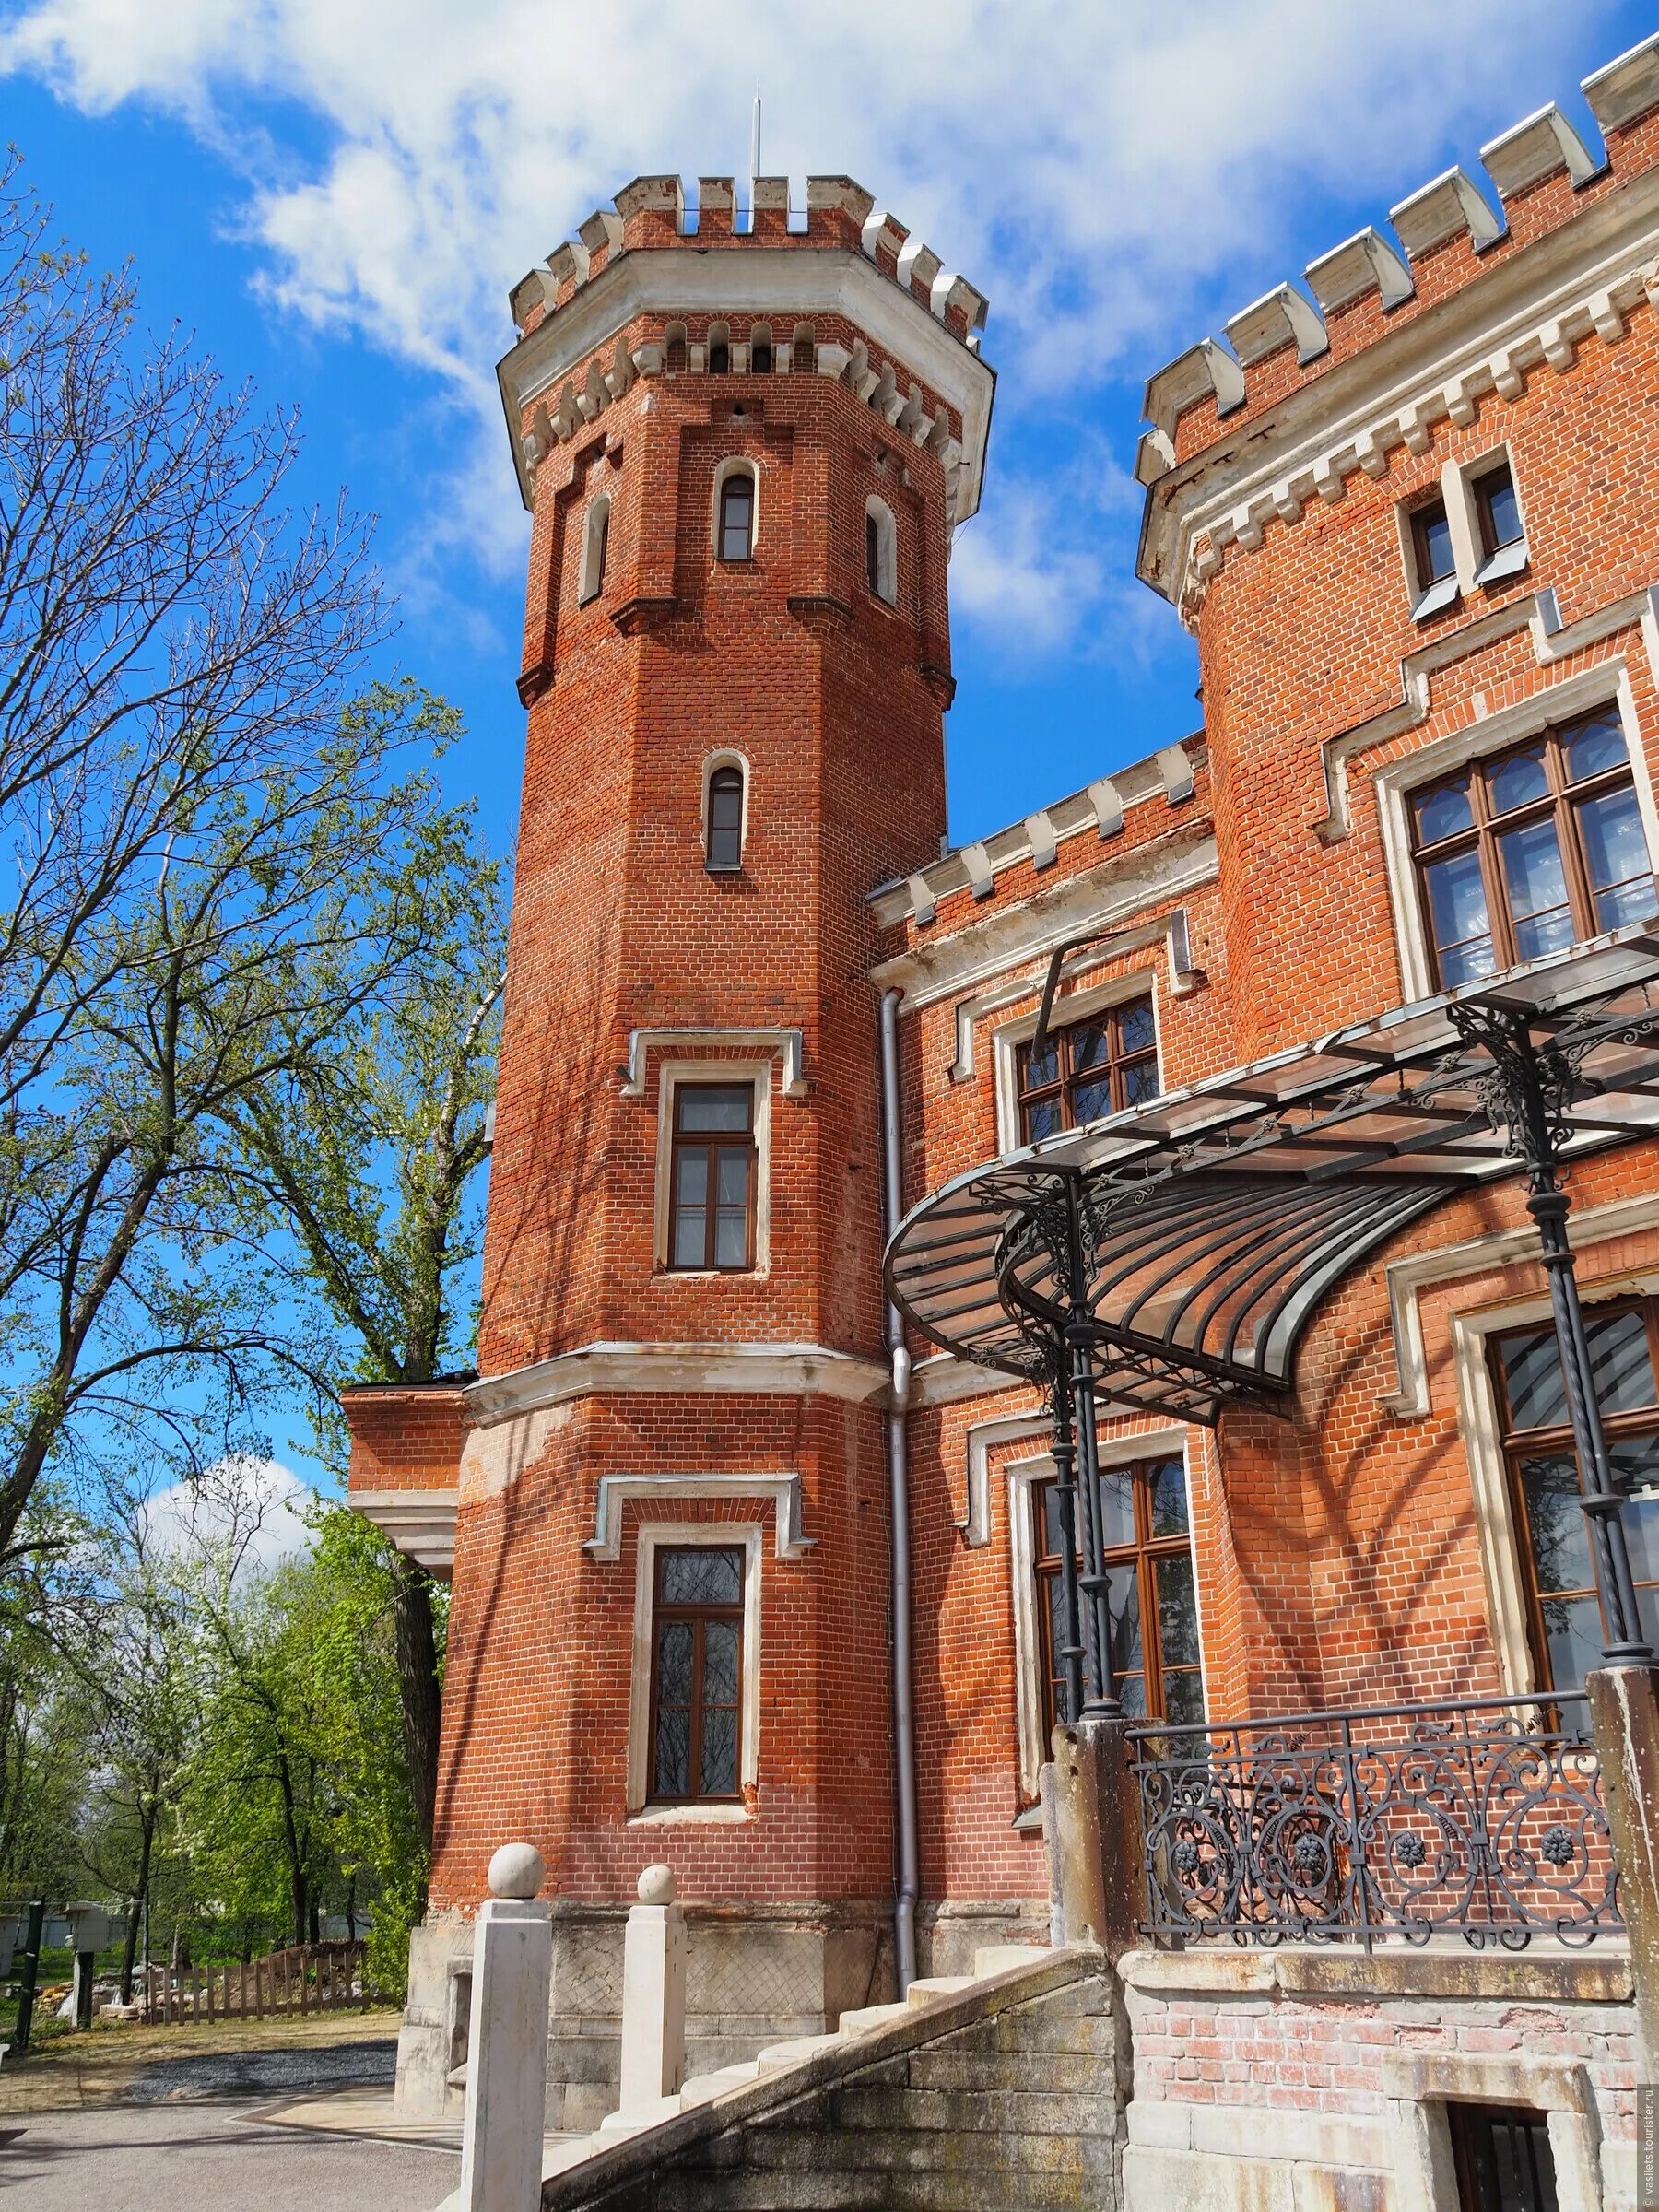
(336, 196)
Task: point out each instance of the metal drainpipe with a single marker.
(904, 1721)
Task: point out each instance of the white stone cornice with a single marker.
(786, 1043)
(421, 1524)
(1531, 309)
(614, 1491)
(760, 280)
(981, 950)
(766, 1370)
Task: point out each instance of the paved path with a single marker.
(214, 2156)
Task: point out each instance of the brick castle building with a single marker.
(759, 1574)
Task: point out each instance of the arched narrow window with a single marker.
(674, 345)
(723, 834)
(734, 539)
(804, 353)
(595, 543)
(881, 559)
(760, 350)
(720, 350)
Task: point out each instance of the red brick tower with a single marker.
(745, 453)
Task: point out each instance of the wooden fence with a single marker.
(309, 1977)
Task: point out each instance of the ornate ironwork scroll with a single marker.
(1485, 1820)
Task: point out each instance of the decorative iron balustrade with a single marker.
(1482, 1819)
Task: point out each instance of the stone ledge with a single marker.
(1597, 1977)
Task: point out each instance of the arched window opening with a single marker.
(674, 345)
(804, 353)
(596, 544)
(881, 559)
(722, 844)
(735, 540)
(761, 350)
(720, 350)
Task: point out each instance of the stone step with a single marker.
(1002, 1957)
(702, 2086)
(863, 2018)
(792, 2052)
(937, 1985)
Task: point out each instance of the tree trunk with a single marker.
(351, 1910)
(420, 1699)
(138, 1903)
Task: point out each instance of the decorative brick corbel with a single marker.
(939, 682)
(641, 614)
(532, 681)
(821, 612)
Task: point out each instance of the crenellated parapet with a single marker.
(1478, 281)
(836, 287)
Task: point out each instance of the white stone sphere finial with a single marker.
(656, 1885)
(517, 1870)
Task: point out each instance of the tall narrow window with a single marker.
(1498, 509)
(737, 516)
(1532, 851)
(713, 1178)
(1544, 1480)
(595, 543)
(872, 553)
(1434, 558)
(1149, 1555)
(761, 350)
(1088, 1070)
(696, 1675)
(724, 837)
(720, 350)
(881, 564)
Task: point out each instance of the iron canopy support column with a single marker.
(1093, 1584)
(1069, 1656)
(1528, 1094)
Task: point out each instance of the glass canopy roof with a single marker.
(1215, 1219)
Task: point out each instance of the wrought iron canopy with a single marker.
(1215, 1219)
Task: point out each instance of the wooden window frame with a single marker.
(1420, 517)
(712, 1141)
(1557, 1442)
(1561, 800)
(1481, 492)
(728, 484)
(1069, 1079)
(726, 774)
(697, 1615)
(1144, 1554)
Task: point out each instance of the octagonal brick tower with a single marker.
(731, 742)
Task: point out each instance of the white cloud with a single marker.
(1097, 169)
(252, 1509)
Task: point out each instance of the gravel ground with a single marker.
(205, 2158)
(262, 2073)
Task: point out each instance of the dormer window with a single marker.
(1435, 557)
(735, 537)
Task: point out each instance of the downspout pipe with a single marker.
(904, 1715)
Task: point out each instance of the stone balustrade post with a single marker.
(1100, 1872)
(507, 2046)
(1624, 1720)
(653, 2007)
(88, 1933)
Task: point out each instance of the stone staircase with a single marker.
(992, 2092)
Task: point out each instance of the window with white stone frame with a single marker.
(694, 1704)
(714, 1173)
(1465, 535)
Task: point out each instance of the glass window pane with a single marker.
(691, 1176)
(1166, 1480)
(1050, 1522)
(690, 1239)
(1132, 1696)
(1457, 904)
(1501, 508)
(1140, 1081)
(1091, 1101)
(1443, 810)
(1184, 1697)
(731, 1237)
(1621, 1371)
(1616, 853)
(702, 1576)
(720, 1663)
(1089, 1045)
(726, 797)
(1533, 1379)
(673, 1662)
(1515, 779)
(1135, 1032)
(1536, 883)
(731, 1187)
(1177, 1611)
(1117, 1507)
(1573, 1632)
(1434, 540)
(737, 513)
(703, 1108)
(1038, 1068)
(1622, 902)
(1041, 1119)
(1123, 1611)
(1596, 743)
(719, 1751)
(1559, 1539)
(672, 1774)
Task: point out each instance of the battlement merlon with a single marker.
(849, 257)
(1474, 287)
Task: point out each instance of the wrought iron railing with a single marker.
(1483, 1820)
